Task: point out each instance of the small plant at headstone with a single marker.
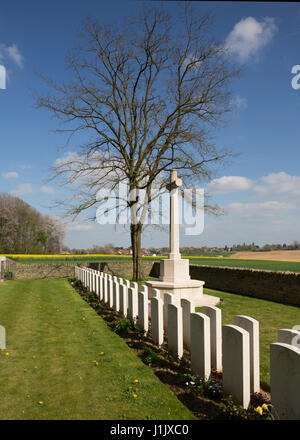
(77, 284)
(123, 326)
(184, 363)
(91, 298)
(149, 357)
(206, 388)
(232, 411)
(109, 318)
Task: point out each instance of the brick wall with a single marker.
(282, 287)
(124, 268)
(42, 270)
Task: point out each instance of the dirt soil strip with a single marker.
(271, 255)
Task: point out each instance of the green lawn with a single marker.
(53, 341)
(291, 266)
(271, 316)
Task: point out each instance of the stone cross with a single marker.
(173, 186)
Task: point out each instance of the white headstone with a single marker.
(157, 329)
(168, 299)
(187, 308)
(289, 336)
(155, 293)
(175, 340)
(104, 282)
(143, 313)
(144, 289)
(127, 283)
(285, 380)
(100, 287)
(252, 327)
(110, 292)
(123, 299)
(236, 364)
(132, 303)
(200, 345)
(215, 316)
(116, 297)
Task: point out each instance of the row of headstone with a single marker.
(232, 349)
(119, 294)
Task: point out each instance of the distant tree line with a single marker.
(267, 247)
(106, 249)
(110, 249)
(23, 230)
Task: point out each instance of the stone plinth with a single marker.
(190, 289)
(173, 271)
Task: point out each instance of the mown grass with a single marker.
(290, 266)
(54, 340)
(271, 316)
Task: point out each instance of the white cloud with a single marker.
(11, 52)
(279, 183)
(192, 61)
(10, 175)
(2, 77)
(14, 54)
(47, 189)
(249, 36)
(240, 102)
(79, 227)
(23, 189)
(228, 184)
(263, 209)
(82, 170)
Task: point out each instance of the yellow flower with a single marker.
(83, 319)
(136, 380)
(28, 395)
(102, 352)
(35, 366)
(41, 402)
(25, 369)
(6, 354)
(96, 363)
(265, 406)
(259, 410)
(33, 357)
(134, 395)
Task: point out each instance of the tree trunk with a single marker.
(136, 235)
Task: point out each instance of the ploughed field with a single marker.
(271, 255)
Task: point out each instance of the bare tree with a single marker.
(55, 233)
(24, 230)
(145, 95)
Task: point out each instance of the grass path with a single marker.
(53, 341)
(271, 316)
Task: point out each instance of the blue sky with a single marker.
(259, 190)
